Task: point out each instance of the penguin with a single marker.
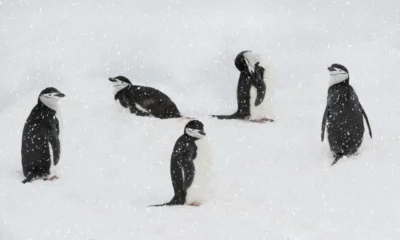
(190, 167)
(143, 101)
(41, 148)
(254, 96)
(343, 116)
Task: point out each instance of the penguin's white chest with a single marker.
(199, 189)
(265, 109)
(260, 111)
(53, 167)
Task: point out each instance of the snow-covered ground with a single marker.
(271, 181)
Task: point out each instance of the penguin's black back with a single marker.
(154, 101)
(39, 128)
(345, 119)
(184, 146)
(182, 167)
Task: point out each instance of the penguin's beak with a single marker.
(331, 69)
(202, 132)
(61, 95)
(112, 79)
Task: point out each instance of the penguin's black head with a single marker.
(51, 92)
(50, 96)
(240, 61)
(246, 61)
(121, 79)
(119, 83)
(337, 68)
(195, 129)
(339, 73)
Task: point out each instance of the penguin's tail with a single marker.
(158, 205)
(173, 202)
(223, 116)
(29, 177)
(337, 158)
(33, 176)
(27, 180)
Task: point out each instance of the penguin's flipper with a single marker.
(134, 110)
(258, 82)
(55, 149)
(366, 119)
(324, 123)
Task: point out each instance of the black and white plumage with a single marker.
(143, 101)
(41, 148)
(254, 90)
(343, 116)
(190, 166)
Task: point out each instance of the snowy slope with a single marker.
(271, 181)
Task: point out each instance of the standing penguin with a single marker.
(143, 101)
(190, 166)
(254, 90)
(40, 143)
(343, 115)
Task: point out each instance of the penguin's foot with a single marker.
(25, 181)
(263, 120)
(52, 178)
(186, 118)
(268, 120)
(194, 204)
(258, 121)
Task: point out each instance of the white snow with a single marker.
(271, 181)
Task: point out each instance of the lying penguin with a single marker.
(254, 91)
(143, 101)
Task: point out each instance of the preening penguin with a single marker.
(190, 166)
(41, 148)
(254, 90)
(343, 115)
(143, 101)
